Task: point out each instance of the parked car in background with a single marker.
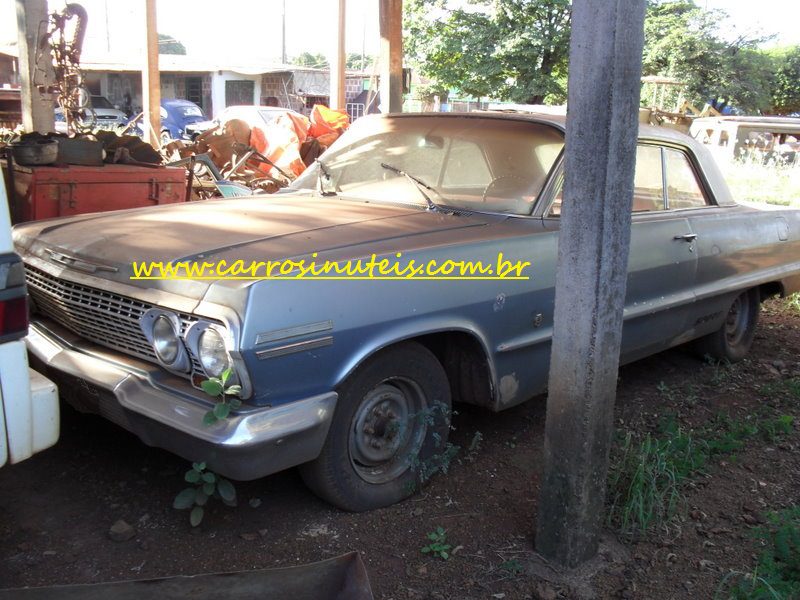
(354, 379)
(99, 114)
(29, 416)
(758, 138)
(254, 116)
(176, 116)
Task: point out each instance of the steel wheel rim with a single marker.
(736, 321)
(387, 430)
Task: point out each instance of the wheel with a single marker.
(388, 432)
(732, 341)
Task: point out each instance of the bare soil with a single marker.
(57, 508)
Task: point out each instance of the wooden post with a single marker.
(338, 63)
(602, 122)
(37, 108)
(151, 80)
(391, 68)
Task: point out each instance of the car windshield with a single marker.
(101, 102)
(475, 163)
(190, 111)
(269, 115)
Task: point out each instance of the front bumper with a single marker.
(165, 411)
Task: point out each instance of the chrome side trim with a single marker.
(295, 347)
(289, 332)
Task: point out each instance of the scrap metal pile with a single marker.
(238, 158)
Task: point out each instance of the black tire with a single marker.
(391, 422)
(732, 341)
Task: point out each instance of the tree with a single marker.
(507, 49)
(306, 59)
(683, 41)
(169, 45)
(786, 88)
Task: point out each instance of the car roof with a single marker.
(177, 101)
(665, 135)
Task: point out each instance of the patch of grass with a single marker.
(777, 573)
(647, 474)
(753, 180)
(794, 302)
(438, 545)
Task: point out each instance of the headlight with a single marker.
(212, 352)
(162, 329)
(165, 340)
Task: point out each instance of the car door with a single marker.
(662, 262)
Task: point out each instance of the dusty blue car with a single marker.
(352, 377)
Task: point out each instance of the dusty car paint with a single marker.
(294, 342)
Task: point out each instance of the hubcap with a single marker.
(387, 430)
(736, 321)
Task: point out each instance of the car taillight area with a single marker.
(13, 299)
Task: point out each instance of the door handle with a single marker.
(686, 237)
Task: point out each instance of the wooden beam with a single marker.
(602, 123)
(391, 65)
(151, 79)
(37, 108)
(338, 63)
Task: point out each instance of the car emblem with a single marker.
(77, 263)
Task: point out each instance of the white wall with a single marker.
(218, 80)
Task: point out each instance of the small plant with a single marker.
(512, 567)
(794, 302)
(205, 485)
(777, 573)
(216, 388)
(438, 545)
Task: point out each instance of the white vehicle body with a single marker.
(29, 415)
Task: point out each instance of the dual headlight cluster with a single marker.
(206, 341)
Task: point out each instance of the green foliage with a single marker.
(216, 387)
(205, 485)
(169, 45)
(777, 574)
(684, 41)
(786, 87)
(513, 50)
(646, 475)
(438, 545)
(320, 61)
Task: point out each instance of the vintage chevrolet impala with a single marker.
(353, 379)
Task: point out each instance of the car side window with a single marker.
(648, 183)
(683, 188)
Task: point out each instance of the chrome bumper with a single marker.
(167, 412)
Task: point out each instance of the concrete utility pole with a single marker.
(391, 67)
(602, 121)
(37, 108)
(338, 63)
(151, 80)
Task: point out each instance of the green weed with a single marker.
(647, 475)
(438, 545)
(205, 485)
(777, 573)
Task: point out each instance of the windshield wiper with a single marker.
(323, 170)
(421, 186)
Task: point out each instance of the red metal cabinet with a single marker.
(56, 191)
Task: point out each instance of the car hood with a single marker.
(250, 229)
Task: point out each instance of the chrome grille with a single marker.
(105, 318)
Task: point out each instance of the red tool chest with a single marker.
(56, 191)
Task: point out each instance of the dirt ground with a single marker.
(57, 508)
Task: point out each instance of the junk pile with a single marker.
(102, 147)
(238, 158)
